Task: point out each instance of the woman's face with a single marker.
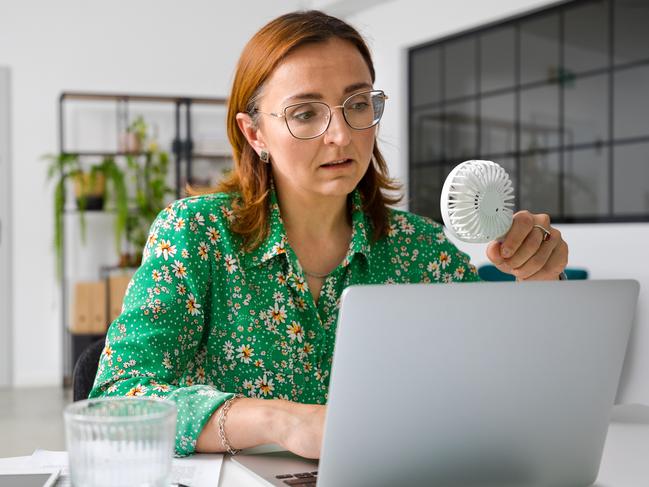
(329, 72)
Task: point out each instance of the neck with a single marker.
(313, 217)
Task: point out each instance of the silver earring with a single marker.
(264, 156)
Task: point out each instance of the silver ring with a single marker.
(546, 233)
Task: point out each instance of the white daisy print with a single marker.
(295, 331)
(265, 386)
(213, 234)
(165, 249)
(245, 353)
(191, 305)
(179, 269)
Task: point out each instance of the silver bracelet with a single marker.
(222, 413)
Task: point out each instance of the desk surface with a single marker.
(624, 461)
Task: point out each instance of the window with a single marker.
(558, 97)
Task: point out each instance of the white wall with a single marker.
(606, 250)
(6, 354)
(147, 46)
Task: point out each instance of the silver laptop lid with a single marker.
(477, 383)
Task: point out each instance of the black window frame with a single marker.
(560, 79)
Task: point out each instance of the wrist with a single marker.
(275, 420)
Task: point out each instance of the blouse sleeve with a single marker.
(156, 346)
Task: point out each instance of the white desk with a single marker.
(625, 462)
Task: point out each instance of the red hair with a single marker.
(250, 179)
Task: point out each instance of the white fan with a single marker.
(477, 200)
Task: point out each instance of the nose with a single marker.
(338, 132)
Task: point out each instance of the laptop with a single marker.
(468, 384)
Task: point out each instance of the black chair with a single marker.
(85, 370)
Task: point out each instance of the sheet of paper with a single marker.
(201, 470)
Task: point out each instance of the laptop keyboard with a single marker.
(304, 479)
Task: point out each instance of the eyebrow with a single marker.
(318, 96)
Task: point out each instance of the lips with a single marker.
(336, 162)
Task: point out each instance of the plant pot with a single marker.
(129, 142)
(93, 191)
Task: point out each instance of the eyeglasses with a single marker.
(311, 119)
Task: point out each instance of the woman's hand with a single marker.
(252, 422)
(301, 427)
(525, 254)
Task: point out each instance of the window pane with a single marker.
(460, 137)
(540, 183)
(427, 135)
(631, 179)
(460, 63)
(425, 190)
(426, 76)
(631, 100)
(497, 59)
(509, 165)
(497, 124)
(586, 36)
(630, 30)
(586, 182)
(539, 118)
(586, 110)
(539, 48)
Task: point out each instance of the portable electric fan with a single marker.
(477, 200)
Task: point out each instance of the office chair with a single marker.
(85, 370)
(490, 272)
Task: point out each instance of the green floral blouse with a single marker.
(203, 320)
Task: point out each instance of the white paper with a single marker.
(201, 470)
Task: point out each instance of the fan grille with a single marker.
(477, 201)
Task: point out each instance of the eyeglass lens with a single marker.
(311, 119)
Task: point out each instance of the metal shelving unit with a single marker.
(182, 158)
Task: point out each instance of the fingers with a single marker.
(530, 246)
(522, 225)
(494, 253)
(539, 258)
(555, 264)
(525, 253)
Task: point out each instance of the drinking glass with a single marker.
(120, 442)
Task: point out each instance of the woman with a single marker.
(239, 289)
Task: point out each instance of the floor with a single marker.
(32, 418)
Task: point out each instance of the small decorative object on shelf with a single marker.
(133, 138)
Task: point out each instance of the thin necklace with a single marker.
(324, 276)
(321, 276)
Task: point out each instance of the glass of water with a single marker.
(120, 442)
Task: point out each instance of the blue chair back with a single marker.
(490, 272)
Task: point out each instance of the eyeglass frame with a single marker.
(283, 115)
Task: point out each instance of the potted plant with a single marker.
(91, 191)
(90, 188)
(133, 139)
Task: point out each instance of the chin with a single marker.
(337, 188)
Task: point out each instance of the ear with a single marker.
(250, 132)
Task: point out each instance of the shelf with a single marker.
(212, 156)
(77, 95)
(136, 154)
(74, 211)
